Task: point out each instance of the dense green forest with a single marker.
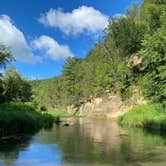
(131, 52)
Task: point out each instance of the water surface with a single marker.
(86, 142)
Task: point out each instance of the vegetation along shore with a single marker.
(129, 62)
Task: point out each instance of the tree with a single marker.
(16, 87)
(69, 76)
(2, 97)
(154, 64)
(5, 56)
(124, 36)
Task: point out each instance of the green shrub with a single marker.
(16, 106)
(19, 118)
(43, 108)
(47, 120)
(151, 116)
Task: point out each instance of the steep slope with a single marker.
(132, 54)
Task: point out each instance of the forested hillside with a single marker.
(132, 52)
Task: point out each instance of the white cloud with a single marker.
(11, 36)
(119, 15)
(81, 20)
(33, 78)
(51, 48)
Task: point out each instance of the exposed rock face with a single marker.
(110, 106)
(135, 60)
(72, 109)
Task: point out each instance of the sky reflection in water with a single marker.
(86, 142)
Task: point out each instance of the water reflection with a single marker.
(88, 142)
(9, 149)
(43, 155)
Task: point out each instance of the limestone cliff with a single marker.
(110, 106)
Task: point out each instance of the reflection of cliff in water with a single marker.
(102, 131)
(85, 142)
(102, 142)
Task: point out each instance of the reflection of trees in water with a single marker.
(102, 142)
(93, 142)
(9, 149)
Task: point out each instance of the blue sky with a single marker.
(42, 33)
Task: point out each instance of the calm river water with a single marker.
(86, 142)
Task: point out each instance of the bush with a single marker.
(150, 116)
(16, 106)
(18, 118)
(43, 108)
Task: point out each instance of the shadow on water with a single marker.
(86, 142)
(10, 148)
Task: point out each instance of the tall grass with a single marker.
(150, 116)
(19, 118)
(57, 112)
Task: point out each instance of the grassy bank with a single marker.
(150, 116)
(57, 112)
(19, 118)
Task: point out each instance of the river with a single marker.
(86, 142)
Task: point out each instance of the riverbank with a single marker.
(56, 113)
(147, 116)
(19, 118)
(150, 116)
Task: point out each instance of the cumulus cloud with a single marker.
(14, 38)
(51, 48)
(82, 20)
